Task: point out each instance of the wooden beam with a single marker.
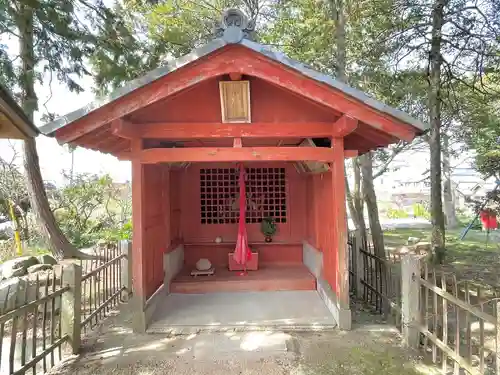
(138, 227)
(236, 59)
(202, 130)
(235, 76)
(120, 146)
(227, 154)
(338, 233)
(126, 155)
(273, 71)
(345, 125)
(237, 143)
(374, 136)
(89, 140)
(350, 154)
(123, 129)
(107, 142)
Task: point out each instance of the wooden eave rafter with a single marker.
(208, 130)
(232, 154)
(235, 59)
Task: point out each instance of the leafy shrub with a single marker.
(396, 213)
(465, 220)
(419, 210)
(92, 208)
(117, 234)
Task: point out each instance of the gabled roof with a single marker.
(14, 123)
(217, 44)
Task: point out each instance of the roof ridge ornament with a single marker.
(234, 26)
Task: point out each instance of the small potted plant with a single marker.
(268, 228)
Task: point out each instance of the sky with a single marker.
(54, 158)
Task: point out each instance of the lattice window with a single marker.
(265, 190)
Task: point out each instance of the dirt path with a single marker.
(113, 349)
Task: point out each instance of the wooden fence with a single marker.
(104, 283)
(43, 316)
(373, 280)
(454, 323)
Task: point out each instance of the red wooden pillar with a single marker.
(138, 227)
(166, 209)
(339, 233)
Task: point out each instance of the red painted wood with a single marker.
(269, 104)
(199, 130)
(138, 227)
(157, 228)
(237, 143)
(251, 265)
(176, 205)
(119, 146)
(310, 211)
(235, 59)
(235, 76)
(194, 232)
(274, 72)
(91, 139)
(221, 154)
(272, 254)
(339, 229)
(343, 126)
(267, 278)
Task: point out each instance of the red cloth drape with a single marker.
(242, 252)
(488, 220)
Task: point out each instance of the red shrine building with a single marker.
(190, 127)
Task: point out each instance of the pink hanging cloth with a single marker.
(242, 252)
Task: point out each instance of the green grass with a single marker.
(473, 257)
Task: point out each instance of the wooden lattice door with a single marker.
(265, 195)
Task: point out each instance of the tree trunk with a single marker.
(341, 55)
(358, 204)
(371, 205)
(354, 198)
(60, 246)
(435, 100)
(448, 199)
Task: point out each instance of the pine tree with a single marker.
(56, 38)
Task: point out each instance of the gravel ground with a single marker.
(368, 349)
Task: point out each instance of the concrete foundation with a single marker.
(245, 311)
(313, 259)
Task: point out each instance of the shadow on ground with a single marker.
(112, 348)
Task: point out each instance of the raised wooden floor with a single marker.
(267, 278)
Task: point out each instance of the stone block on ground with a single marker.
(47, 259)
(17, 266)
(13, 293)
(45, 277)
(39, 267)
